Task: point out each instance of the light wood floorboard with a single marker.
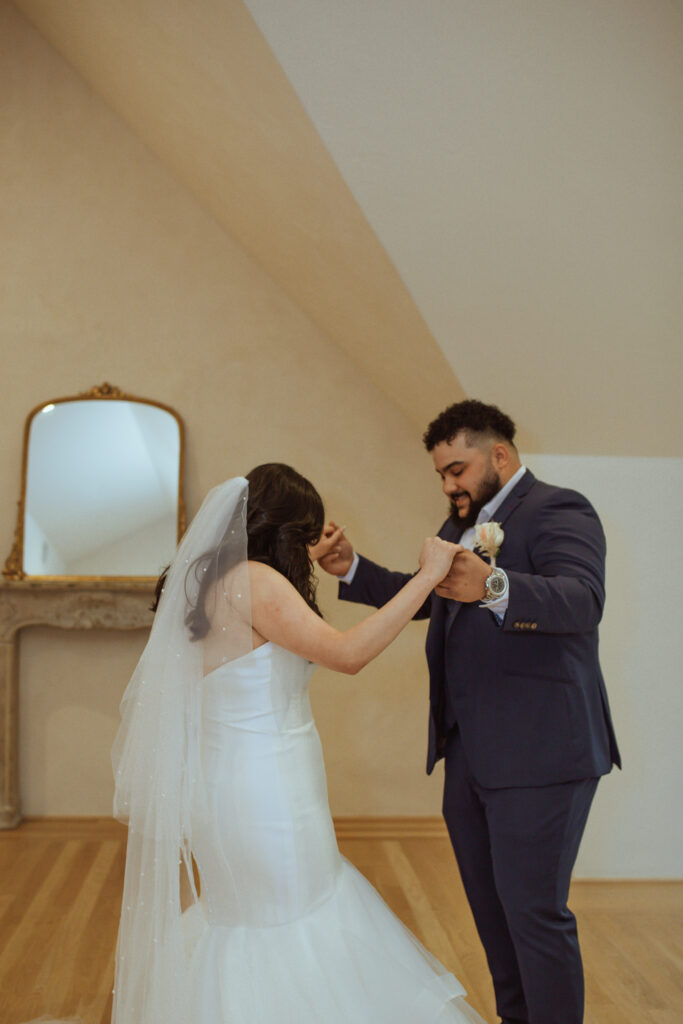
(61, 891)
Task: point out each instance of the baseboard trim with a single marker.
(356, 827)
(346, 827)
(68, 827)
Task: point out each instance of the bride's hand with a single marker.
(333, 552)
(437, 557)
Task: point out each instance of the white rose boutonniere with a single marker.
(488, 538)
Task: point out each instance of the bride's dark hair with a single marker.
(285, 513)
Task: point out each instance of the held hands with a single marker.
(437, 556)
(467, 578)
(333, 551)
(459, 573)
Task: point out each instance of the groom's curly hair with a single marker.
(285, 514)
(474, 419)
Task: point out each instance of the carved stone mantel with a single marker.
(66, 604)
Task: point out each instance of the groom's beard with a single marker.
(488, 489)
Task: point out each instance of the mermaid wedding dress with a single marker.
(286, 929)
(226, 767)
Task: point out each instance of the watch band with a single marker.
(491, 595)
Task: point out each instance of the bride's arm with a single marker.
(280, 614)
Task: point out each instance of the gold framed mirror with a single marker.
(101, 489)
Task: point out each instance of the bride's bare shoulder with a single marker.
(260, 572)
(267, 582)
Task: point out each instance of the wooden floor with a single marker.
(61, 889)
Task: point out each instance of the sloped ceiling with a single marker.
(200, 86)
(500, 179)
(521, 164)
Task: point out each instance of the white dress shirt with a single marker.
(486, 514)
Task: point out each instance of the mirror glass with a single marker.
(102, 489)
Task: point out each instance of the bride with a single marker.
(218, 763)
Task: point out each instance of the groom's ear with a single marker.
(500, 454)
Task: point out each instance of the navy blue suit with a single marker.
(520, 713)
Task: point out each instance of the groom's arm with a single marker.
(566, 591)
(375, 586)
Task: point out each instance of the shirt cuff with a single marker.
(498, 607)
(348, 578)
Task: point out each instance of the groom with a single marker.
(518, 706)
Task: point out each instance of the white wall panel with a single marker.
(636, 827)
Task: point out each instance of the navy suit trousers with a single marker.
(516, 848)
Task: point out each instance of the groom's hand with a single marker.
(333, 551)
(466, 580)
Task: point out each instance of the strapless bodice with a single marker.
(266, 690)
(267, 851)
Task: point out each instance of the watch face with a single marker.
(496, 585)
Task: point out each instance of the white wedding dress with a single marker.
(287, 930)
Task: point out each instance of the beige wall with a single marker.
(115, 272)
(198, 83)
(123, 260)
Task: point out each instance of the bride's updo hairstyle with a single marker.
(285, 513)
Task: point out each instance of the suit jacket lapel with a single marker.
(516, 495)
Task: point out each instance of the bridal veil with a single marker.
(157, 754)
